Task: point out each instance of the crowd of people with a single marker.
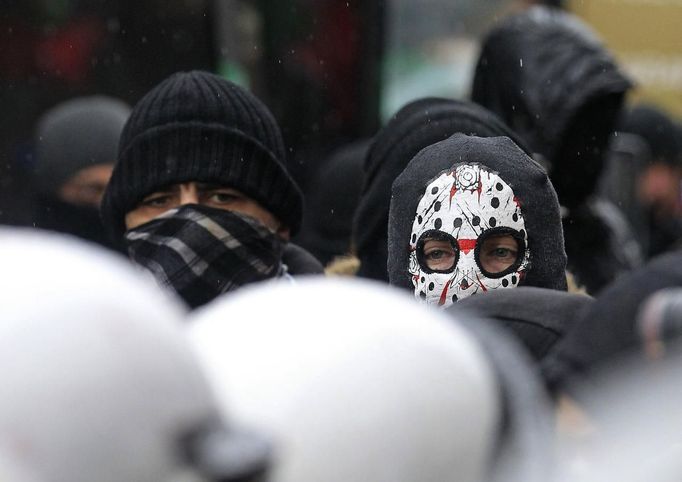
(488, 289)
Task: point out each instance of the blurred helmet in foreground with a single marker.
(352, 382)
(99, 382)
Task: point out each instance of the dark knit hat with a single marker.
(197, 126)
(657, 129)
(531, 191)
(417, 125)
(74, 135)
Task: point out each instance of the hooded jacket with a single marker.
(538, 317)
(549, 77)
(417, 125)
(502, 190)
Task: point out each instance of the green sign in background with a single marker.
(646, 37)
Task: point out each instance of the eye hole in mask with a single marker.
(499, 251)
(437, 252)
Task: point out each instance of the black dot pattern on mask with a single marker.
(436, 206)
(505, 282)
(492, 222)
(414, 238)
(423, 279)
(422, 295)
(437, 223)
(495, 202)
(514, 279)
(454, 298)
(476, 221)
(431, 286)
(434, 190)
(457, 223)
(498, 186)
(515, 217)
(419, 219)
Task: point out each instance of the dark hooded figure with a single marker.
(470, 215)
(76, 144)
(657, 188)
(555, 84)
(417, 125)
(331, 200)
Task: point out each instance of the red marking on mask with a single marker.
(453, 191)
(443, 295)
(479, 189)
(517, 202)
(480, 283)
(466, 245)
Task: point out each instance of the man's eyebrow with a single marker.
(164, 190)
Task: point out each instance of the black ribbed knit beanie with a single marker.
(415, 126)
(469, 187)
(197, 126)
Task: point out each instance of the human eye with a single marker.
(436, 254)
(498, 253)
(157, 200)
(503, 252)
(221, 196)
(439, 255)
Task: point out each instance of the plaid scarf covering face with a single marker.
(202, 252)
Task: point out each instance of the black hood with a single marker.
(417, 125)
(538, 317)
(555, 84)
(531, 187)
(331, 199)
(609, 328)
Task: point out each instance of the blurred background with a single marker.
(331, 70)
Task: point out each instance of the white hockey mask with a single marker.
(466, 211)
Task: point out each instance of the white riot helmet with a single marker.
(352, 382)
(98, 381)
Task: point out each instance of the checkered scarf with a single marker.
(201, 252)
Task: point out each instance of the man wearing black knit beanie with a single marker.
(201, 193)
